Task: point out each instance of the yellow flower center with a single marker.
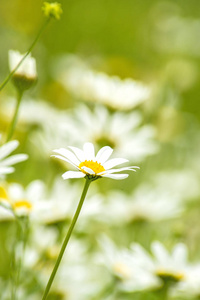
(52, 10)
(170, 276)
(3, 194)
(22, 204)
(122, 270)
(93, 165)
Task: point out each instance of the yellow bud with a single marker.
(53, 10)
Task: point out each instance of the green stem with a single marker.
(64, 245)
(14, 120)
(14, 262)
(27, 53)
(23, 239)
(162, 293)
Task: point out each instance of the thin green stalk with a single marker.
(27, 53)
(18, 229)
(23, 239)
(14, 120)
(162, 293)
(64, 245)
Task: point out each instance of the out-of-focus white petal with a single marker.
(7, 148)
(160, 252)
(180, 253)
(14, 159)
(6, 170)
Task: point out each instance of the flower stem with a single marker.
(23, 237)
(14, 120)
(27, 53)
(64, 245)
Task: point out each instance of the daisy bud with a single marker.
(26, 75)
(53, 10)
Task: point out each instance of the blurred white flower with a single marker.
(28, 66)
(83, 274)
(86, 84)
(42, 241)
(37, 202)
(20, 201)
(144, 204)
(122, 131)
(120, 265)
(32, 112)
(58, 203)
(184, 183)
(7, 162)
(190, 287)
(77, 269)
(90, 165)
(165, 267)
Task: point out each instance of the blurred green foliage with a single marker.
(129, 38)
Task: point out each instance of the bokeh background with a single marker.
(105, 43)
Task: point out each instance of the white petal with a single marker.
(14, 159)
(118, 170)
(6, 170)
(73, 174)
(78, 152)
(68, 154)
(180, 253)
(8, 148)
(88, 149)
(104, 154)
(160, 252)
(65, 159)
(116, 176)
(88, 170)
(114, 162)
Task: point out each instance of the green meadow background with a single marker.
(155, 42)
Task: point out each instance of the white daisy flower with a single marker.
(164, 266)
(119, 263)
(90, 165)
(89, 85)
(122, 131)
(31, 112)
(7, 162)
(21, 202)
(190, 288)
(144, 204)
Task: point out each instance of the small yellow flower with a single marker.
(53, 10)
